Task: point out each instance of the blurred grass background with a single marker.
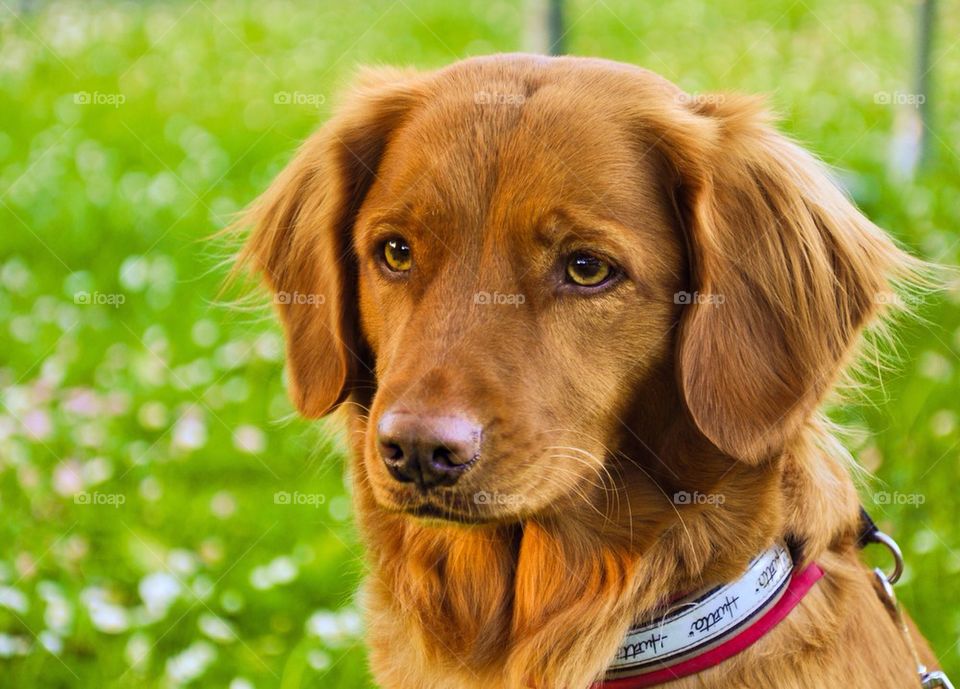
(146, 446)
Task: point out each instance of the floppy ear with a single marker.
(301, 241)
(786, 272)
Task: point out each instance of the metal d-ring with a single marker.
(891, 545)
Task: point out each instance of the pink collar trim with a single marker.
(798, 586)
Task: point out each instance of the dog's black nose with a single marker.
(427, 450)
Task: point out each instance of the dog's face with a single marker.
(512, 293)
(520, 266)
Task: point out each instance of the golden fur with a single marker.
(596, 410)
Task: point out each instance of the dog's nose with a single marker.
(427, 450)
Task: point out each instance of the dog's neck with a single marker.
(546, 602)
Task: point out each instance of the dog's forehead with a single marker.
(496, 151)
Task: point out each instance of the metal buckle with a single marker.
(935, 680)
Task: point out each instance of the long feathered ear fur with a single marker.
(301, 238)
(786, 272)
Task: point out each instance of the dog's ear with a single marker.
(785, 272)
(301, 241)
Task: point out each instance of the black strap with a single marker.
(868, 530)
(865, 536)
(795, 546)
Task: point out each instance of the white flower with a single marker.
(281, 570)
(223, 505)
(335, 627)
(158, 591)
(216, 628)
(190, 431)
(51, 642)
(97, 470)
(182, 562)
(191, 663)
(322, 624)
(138, 650)
(16, 276)
(205, 333)
(58, 615)
(68, 477)
(14, 599)
(82, 402)
(318, 660)
(152, 415)
(249, 439)
(133, 273)
(37, 424)
(13, 646)
(231, 355)
(104, 614)
(269, 347)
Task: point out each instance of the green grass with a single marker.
(146, 403)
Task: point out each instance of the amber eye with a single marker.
(587, 270)
(396, 254)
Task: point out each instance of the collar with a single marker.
(706, 628)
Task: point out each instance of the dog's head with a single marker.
(539, 276)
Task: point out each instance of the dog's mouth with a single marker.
(447, 508)
(430, 511)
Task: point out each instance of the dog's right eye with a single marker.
(586, 270)
(396, 254)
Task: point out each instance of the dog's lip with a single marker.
(432, 510)
(428, 510)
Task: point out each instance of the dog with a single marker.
(580, 326)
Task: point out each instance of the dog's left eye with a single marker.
(587, 270)
(396, 254)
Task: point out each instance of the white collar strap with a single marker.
(703, 629)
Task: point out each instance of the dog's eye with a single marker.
(396, 254)
(587, 270)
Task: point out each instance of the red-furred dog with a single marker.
(581, 324)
